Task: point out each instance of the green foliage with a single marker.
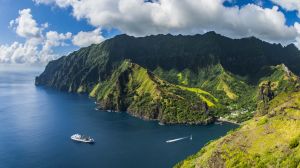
(134, 89)
(93, 93)
(262, 121)
(294, 142)
(278, 82)
(227, 69)
(203, 95)
(231, 92)
(230, 77)
(181, 54)
(260, 142)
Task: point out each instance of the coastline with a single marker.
(222, 119)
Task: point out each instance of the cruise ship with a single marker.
(82, 138)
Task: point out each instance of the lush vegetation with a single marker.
(136, 90)
(189, 56)
(232, 71)
(271, 138)
(196, 79)
(268, 140)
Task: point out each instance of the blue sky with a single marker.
(271, 20)
(59, 19)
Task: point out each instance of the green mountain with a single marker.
(138, 91)
(233, 92)
(270, 139)
(228, 69)
(241, 57)
(196, 80)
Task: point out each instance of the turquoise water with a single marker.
(36, 124)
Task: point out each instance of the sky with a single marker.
(34, 32)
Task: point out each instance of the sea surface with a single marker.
(36, 124)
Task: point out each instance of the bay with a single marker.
(36, 124)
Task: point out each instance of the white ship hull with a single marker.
(80, 138)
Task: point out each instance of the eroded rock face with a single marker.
(266, 92)
(118, 99)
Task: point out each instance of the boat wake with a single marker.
(179, 139)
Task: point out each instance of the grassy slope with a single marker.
(232, 92)
(147, 96)
(267, 141)
(203, 95)
(236, 100)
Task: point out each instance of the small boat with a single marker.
(161, 123)
(82, 138)
(219, 123)
(179, 139)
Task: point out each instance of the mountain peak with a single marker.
(292, 47)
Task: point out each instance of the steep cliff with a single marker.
(242, 57)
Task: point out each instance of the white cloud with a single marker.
(297, 26)
(60, 3)
(37, 48)
(83, 39)
(136, 17)
(54, 39)
(290, 5)
(26, 26)
(18, 53)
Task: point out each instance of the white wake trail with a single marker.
(179, 139)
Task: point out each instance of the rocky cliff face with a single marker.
(278, 79)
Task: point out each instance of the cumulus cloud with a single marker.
(290, 5)
(83, 39)
(54, 39)
(26, 26)
(37, 48)
(297, 26)
(60, 3)
(139, 18)
(18, 53)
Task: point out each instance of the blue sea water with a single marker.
(36, 124)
